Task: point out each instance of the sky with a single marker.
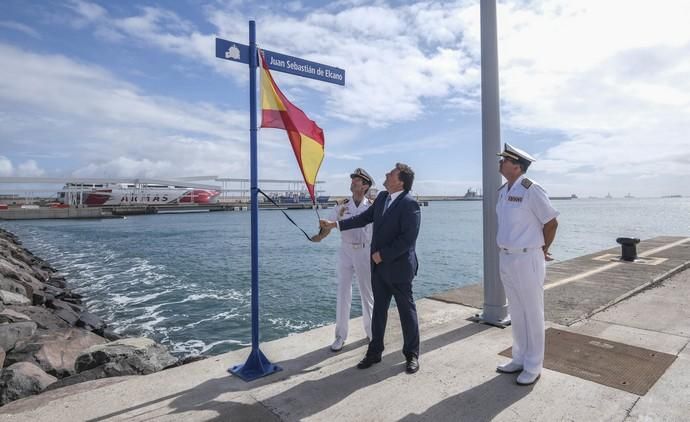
(597, 90)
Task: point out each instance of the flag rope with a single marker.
(288, 217)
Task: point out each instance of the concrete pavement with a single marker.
(457, 380)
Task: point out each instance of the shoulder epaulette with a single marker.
(526, 183)
(502, 186)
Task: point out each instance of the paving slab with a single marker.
(669, 399)
(663, 308)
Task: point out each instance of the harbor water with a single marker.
(184, 279)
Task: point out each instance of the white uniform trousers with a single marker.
(522, 274)
(353, 260)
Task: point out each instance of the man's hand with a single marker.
(376, 257)
(327, 224)
(322, 234)
(547, 256)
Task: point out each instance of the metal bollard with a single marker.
(628, 248)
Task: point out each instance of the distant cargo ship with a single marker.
(471, 195)
(134, 194)
(560, 198)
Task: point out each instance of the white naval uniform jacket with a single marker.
(522, 212)
(346, 210)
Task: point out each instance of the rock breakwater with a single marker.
(49, 339)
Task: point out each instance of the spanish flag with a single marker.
(305, 135)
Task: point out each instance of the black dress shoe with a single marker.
(368, 361)
(412, 365)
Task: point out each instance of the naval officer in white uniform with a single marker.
(526, 228)
(353, 259)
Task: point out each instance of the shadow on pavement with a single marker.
(312, 396)
(481, 403)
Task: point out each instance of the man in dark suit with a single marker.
(396, 217)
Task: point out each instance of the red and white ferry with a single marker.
(115, 194)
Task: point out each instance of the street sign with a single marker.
(232, 51)
(305, 68)
(237, 52)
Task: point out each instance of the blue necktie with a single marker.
(385, 206)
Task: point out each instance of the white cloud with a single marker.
(26, 169)
(29, 168)
(616, 93)
(87, 12)
(6, 168)
(388, 72)
(84, 111)
(21, 28)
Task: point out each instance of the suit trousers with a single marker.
(353, 260)
(384, 291)
(522, 274)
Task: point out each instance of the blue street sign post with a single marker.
(257, 365)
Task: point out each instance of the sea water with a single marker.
(184, 279)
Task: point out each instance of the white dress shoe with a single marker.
(509, 368)
(337, 344)
(527, 378)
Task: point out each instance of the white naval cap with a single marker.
(516, 154)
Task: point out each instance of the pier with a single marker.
(42, 213)
(617, 349)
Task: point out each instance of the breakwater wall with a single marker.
(49, 339)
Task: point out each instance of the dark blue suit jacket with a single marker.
(394, 236)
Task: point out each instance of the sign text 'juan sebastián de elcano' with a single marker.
(303, 67)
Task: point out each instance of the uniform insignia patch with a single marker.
(526, 183)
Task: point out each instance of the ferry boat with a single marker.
(117, 194)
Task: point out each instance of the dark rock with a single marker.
(186, 360)
(12, 286)
(22, 379)
(90, 375)
(67, 315)
(10, 315)
(70, 299)
(55, 352)
(108, 333)
(130, 356)
(72, 296)
(65, 304)
(9, 298)
(91, 322)
(39, 298)
(57, 304)
(11, 333)
(58, 282)
(76, 308)
(55, 291)
(44, 317)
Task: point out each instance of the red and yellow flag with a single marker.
(305, 135)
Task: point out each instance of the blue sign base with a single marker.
(256, 366)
